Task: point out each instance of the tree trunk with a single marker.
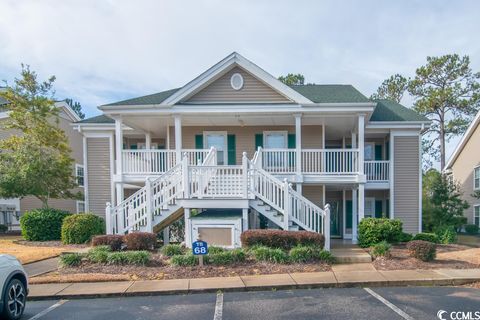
(442, 141)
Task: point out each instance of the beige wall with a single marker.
(253, 90)
(462, 170)
(99, 174)
(406, 181)
(313, 193)
(245, 136)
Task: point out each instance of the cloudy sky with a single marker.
(105, 50)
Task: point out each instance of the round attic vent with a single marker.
(236, 81)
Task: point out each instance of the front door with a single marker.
(335, 223)
(218, 140)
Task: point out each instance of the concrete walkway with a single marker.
(40, 267)
(348, 275)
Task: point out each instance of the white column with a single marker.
(148, 140)
(354, 215)
(298, 143)
(167, 143)
(361, 142)
(344, 210)
(298, 188)
(244, 219)
(118, 144)
(149, 205)
(178, 138)
(361, 201)
(188, 234)
(166, 235)
(119, 192)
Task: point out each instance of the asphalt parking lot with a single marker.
(348, 303)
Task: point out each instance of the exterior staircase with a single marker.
(159, 202)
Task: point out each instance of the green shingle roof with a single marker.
(98, 119)
(3, 101)
(330, 93)
(388, 110)
(155, 98)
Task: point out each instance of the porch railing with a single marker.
(377, 171)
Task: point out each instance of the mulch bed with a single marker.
(400, 259)
(159, 269)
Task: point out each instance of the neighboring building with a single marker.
(464, 165)
(157, 157)
(11, 209)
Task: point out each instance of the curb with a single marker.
(399, 283)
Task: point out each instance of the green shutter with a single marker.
(378, 152)
(387, 149)
(349, 214)
(199, 141)
(133, 147)
(378, 209)
(231, 143)
(258, 140)
(292, 143)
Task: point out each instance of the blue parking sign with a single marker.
(199, 248)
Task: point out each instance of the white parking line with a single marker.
(44, 312)
(218, 307)
(389, 304)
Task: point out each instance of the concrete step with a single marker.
(351, 255)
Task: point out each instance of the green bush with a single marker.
(80, 228)
(188, 260)
(172, 249)
(226, 257)
(128, 257)
(42, 224)
(281, 239)
(446, 234)
(423, 250)
(99, 254)
(70, 259)
(267, 254)
(471, 229)
(374, 230)
(430, 237)
(381, 249)
(302, 254)
(405, 237)
(215, 250)
(326, 256)
(3, 228)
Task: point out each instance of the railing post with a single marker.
(326, 226)
(130, 218)
(185, 180)
(260, 158)
(245, 174)
(149, 204)
(287, 207)
(108, 218)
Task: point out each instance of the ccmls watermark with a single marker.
(458, 315)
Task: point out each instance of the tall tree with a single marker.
(292, 79)
(392, 88)
(76, 106)
(35, 160)
(446, 91)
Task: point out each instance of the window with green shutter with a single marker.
(378, 209)
(199, 141)
(258, 141)
(378, 152)
(387, 149)
(231, 145)
(349, 214)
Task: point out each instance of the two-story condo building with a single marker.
(235, 148)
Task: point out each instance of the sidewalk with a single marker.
(353, 275)
(44, 266)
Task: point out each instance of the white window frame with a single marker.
(373, 150)
(77, 206)
(282, 132)
(143, 145)
(77, 166)
(372, 200)
(474, 214)
(475, 169)
(225, 137)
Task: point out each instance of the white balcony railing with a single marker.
(330, 161)
(377, 171)
(279, 161)
(152, 161)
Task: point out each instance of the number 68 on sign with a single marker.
(199, 248)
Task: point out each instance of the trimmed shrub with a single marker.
(423, 250)
(405, 237)
(42, 224)
(3, 228)
(128, 257)
(226, 257)
(188, 260)
(70, 259)
(281, 238)
(140, 241)
(471, 229)
(114, 241)
(381, 249)
(99, 254)
(326, 256)
(446, 234)
(374, 230)
(430, 237)
(80, 228)
(267, 254)
(172, 249)
(215, 250)
(302, 254)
